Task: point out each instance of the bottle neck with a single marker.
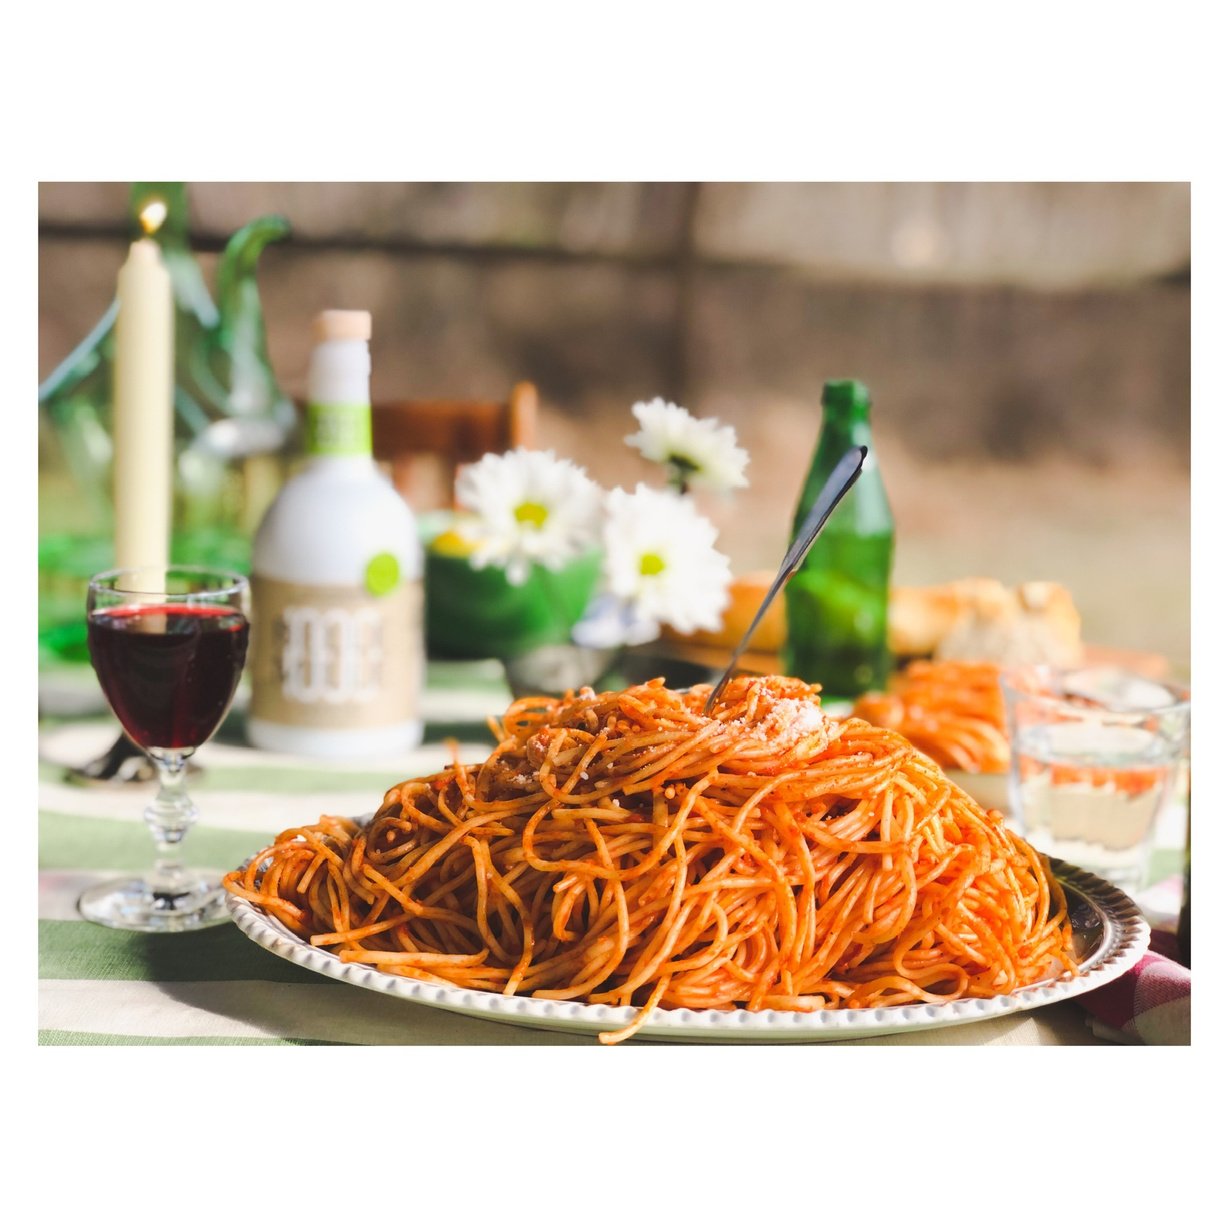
(339, 401)
(839, 432)
(338, 430)
(356, 466)
(865, 509)
(846, 426)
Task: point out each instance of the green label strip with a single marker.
(338, 430)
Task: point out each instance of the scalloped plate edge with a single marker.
(1125, 941)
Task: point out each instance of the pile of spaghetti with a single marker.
(626, 849)
(952, 710)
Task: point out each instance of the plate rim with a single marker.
(1126, 941)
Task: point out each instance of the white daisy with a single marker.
(660, 560)
(696, 451)
(526, 508)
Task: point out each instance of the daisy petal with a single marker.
(661, 560)
(699, 452)
(528, 508)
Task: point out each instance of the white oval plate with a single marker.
(1109, 931)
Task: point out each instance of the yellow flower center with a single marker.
(530, 513)
(652, 564)
(452, 542)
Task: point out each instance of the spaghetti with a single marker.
(624, 849)
(951, 710)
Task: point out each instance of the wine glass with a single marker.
(168, 646)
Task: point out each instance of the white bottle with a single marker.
(337, 629)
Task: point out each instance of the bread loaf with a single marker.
(746, 594)
(973, 619)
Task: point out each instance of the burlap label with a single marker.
(329, 657)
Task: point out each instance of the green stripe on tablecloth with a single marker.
(310, 776)
(484, 674)
(69, 842)
(462, 731)
(59, 1037)
(1165, 862)
(284, 779)
(81, 950)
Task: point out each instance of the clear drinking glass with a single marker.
(168, 646)
(1095, 754)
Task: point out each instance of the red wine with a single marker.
(169, 671)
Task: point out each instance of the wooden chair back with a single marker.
(423, 442)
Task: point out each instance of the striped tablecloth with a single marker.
(215, 987)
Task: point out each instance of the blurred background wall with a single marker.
(1027, 345)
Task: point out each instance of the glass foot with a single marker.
(133, 904)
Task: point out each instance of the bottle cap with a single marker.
(342, 326)
(846, 395)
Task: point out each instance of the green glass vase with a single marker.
(476, 612)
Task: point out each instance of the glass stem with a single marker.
(169, 817)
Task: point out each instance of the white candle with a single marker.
(143, 413)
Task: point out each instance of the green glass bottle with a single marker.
(836, 605)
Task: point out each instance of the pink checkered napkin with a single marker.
(1151, 1004)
